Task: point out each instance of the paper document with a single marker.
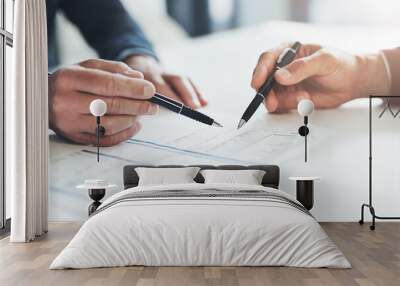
(168, 138)
(178, 140)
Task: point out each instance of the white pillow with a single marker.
(248, 177)
(165, 176)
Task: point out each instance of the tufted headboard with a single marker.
(270, 179)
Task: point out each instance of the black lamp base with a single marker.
(305, 193)
(96, 195)
(304, 131)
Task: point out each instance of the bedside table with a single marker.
(305, 190)
(96, 191)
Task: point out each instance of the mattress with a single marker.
(201, 225)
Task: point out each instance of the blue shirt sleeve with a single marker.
(108, 28)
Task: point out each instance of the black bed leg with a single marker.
(372, 210)
(361, 221)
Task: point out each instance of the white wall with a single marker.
(355, 12)
(338, 12)
(253, 12)
(339, 157)
(221, 65)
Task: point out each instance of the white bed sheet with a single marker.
(200, 231)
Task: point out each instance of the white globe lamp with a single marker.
(98, 107)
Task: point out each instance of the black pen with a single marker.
(284, 59)
(182, 109)
(179, 108)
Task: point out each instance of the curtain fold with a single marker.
(27, 122)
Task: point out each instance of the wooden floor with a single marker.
(375, 257)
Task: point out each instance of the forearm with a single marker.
(393, 61)
(110, 30)
(374, 75)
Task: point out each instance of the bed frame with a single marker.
(270, 179)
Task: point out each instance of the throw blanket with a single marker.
(207, 194)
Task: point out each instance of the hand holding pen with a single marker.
(285, 58)
(125, 92)
(328, 77)
(73, 88)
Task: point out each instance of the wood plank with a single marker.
(375, 257)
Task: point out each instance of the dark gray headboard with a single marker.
(271, 177)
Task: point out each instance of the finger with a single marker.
(201, 99)
(265, 65)
(80, 102)
(112, 66)
(318, 64)
(289, 99)
(112, 124)
(106, 141)
(121, 106)
(164, 88)
(183, 89)
(260, 75)
(271, 102)
(267, 61)
(99, 82)
(117, 123)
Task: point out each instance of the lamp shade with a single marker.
(98, 107)
(305, 107)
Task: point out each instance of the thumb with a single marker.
(317, 64)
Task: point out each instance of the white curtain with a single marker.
(27, 124)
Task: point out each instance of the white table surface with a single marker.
(221, 65)
(304, 178)
(85, 187)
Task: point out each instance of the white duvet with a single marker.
(200, 231)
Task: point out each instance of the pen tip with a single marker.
(215, 123)
(241, 123)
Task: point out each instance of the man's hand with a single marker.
(171, 85)
(72, 89)
(329, 78)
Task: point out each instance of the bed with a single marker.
(199, 224)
